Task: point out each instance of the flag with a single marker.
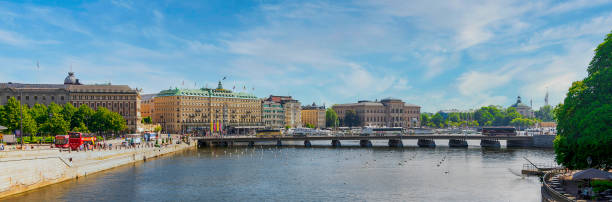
(183, 82)
(211, 125)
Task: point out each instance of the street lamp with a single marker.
(21, 119)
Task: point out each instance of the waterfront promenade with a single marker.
(24, 170)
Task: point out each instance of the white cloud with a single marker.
(122, 3)
(575, 5)
(56, 17)
(15, 39)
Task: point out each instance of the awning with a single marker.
(3, 128)
(591, 173)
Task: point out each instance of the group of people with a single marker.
(586, 192)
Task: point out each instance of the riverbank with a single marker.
(21, 171)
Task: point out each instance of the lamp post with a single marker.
(21, 119)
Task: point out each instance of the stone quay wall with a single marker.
(22, 171)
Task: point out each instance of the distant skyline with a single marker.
(436, 54)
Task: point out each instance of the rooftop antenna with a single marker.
(546, 97)
(37, 70)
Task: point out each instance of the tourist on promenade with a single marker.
(1, 147)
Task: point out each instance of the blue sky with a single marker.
(437, 54)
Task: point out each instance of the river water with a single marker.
(319, 173)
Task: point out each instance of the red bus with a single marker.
(77, 139)
(61, 141)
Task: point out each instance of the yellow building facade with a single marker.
(313, 115)
(206, 110)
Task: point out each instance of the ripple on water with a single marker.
(320, 173)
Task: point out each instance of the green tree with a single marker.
(116, 123)
(438, 120)
(55, 125)
(147, 120)
(29, 124)
(331, 118)
(68, 112)
(308, 125)
(351, 119)
(81, 128)
(54, 109)
(2, 115)
(12, 114)
(425, 119)
(39, 114)
(104, 121)
(545, 113)
(100, 121)
(157, 129)
(82, 117)
(522, 122)
(584, 129)
(454, 117)
(483, 116)
(510, 115)
(11, 117)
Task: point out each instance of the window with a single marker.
(27, 97)
(52, 97)
(62, 98)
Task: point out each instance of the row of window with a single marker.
(382, 119)
(27, 97)
(217, 99)
(103, 97)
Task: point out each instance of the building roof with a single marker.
(145, 97)
(32, 86)
(359, 104)
(72, 84)
(313, 106)
(390, 99)
(206, 92)
(105, 88)
(369, 103)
